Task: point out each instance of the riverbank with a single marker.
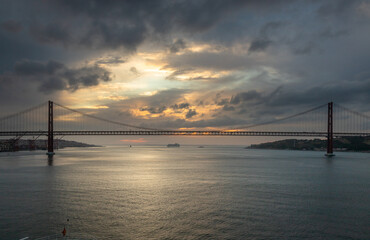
(12, 145)
(356, 144)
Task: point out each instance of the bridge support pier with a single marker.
(50, 131)
(329, 150)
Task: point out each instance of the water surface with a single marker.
(185, 193)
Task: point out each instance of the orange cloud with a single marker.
(140, 140)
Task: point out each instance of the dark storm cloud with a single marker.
(259, 45)
(245, 97)
(18, 95)
(154, 110)
(115, 24)
(55, 76)
(267, 32)
(51, 33)
(264, 106)
(29, 68)
(337, 8)
(177, 46)
(222, 102)
(191, 113)
(11, 26)
(302, 53)
(305, 49)
(228, 108)
(330, 33)
(322, 94)
(85, 77)
(180, 106)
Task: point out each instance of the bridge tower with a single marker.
(329, 150)
(50, 131)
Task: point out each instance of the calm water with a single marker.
(186, 193)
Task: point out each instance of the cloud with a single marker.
(245, 97)
(338, 8)
(154, 110)
(116, 24)
(110, 60)
(223, 101)
(55, 76)
(51, 33)
(324, 93)
(11, 26)
(127, 24)
(305, 49)
(259, 45)
(191, 113)
(330, 33)
(169, 96)
(289, 59)
(32, 68)
(228, 108)
(180, 106)
(266, 33)
(225, 60)
(160, 101)
(177, 46)
(134, 70)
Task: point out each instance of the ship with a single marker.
(173, 145)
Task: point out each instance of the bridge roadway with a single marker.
(180, 133)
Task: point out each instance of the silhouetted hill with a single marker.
(9, 145)
(341, 144)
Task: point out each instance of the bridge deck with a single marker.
(180, 133)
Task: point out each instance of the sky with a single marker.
(185, 64)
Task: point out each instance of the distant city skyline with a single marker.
(184, 64)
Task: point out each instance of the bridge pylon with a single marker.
(50, 130)
(329, 150)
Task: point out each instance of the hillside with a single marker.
(9, 145)
(340, 144)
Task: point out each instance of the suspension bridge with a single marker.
(53, 120)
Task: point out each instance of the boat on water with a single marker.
(173, 145)
(61, 237)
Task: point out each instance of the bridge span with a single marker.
(52, 119)
(182, 133)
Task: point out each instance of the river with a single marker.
(215, 192)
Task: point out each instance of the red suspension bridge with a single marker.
(54, 120)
